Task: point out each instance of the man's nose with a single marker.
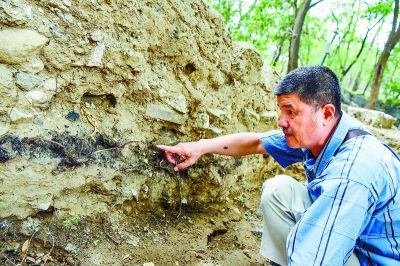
(282, 123)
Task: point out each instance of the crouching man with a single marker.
(349, 212)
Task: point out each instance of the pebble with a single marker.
(26, 81)
(147, 264)
(6, 224)
(17, 116)
(72, 116)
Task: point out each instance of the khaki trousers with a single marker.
(283, 202)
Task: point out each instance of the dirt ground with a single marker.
(135, 235)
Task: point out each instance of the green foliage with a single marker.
(380, 8)
(392, 93)
(268, 23)
(71, 221)
(257, 21)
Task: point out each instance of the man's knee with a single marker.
(276, 188)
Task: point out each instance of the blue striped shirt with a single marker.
(355, 189)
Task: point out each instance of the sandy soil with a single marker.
(215, 236)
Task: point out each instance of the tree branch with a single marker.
(344, 72)
(328, 48)
(395, 16)
(314, 4)
(379, 20)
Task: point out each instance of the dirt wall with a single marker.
(89, 88)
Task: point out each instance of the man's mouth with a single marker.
(287, 133)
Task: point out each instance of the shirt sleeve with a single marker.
(328, 230)
(275, 144)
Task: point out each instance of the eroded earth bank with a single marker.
(88, 89)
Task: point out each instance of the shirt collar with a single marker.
(333, 144)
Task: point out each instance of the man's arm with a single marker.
(187, 153)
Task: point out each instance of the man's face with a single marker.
(300, 122)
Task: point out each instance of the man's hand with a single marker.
(182, 155)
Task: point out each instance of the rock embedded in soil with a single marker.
(17, 45)
(162, 112)
(26, 81)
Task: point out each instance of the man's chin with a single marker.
(291, 142)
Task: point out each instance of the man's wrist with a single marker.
(203, 146)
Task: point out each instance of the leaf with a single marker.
(25, 246)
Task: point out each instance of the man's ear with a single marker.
(329, 112)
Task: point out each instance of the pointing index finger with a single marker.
(169, 149)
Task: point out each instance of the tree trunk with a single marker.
(380, 68)
(300, 16)
(393, 39)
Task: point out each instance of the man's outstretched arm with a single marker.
(186, 154)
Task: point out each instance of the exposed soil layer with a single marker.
(216, 236)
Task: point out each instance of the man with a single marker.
(349, 213)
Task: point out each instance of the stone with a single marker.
(34, 65)
(133, 240)
(147, 264)
(372, 117)
(216, 130)
(251, 118)
(135, 194)
(234, 214)
(50, 85)
(135, 60)
(71, 248)
(223, 115)
(41, 97)
(218, 113)
(162, 112)
(26, 81)
(268, 116)
(8, 99)
(6, 76)
(4, 128)
(178, 103)
(17, 45)
(8, 92)
(72, 116)
(141, 84)
(4, 224)
(175, 100)
(18, 116)
(97, 55)
(96, 36)
(30, 226)
(43, 206)
(130, 192)
(196, 95)
(58, 5)
(38, 98)
(67, 3)
(38, 122)
(202, 121)
(16, 12)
